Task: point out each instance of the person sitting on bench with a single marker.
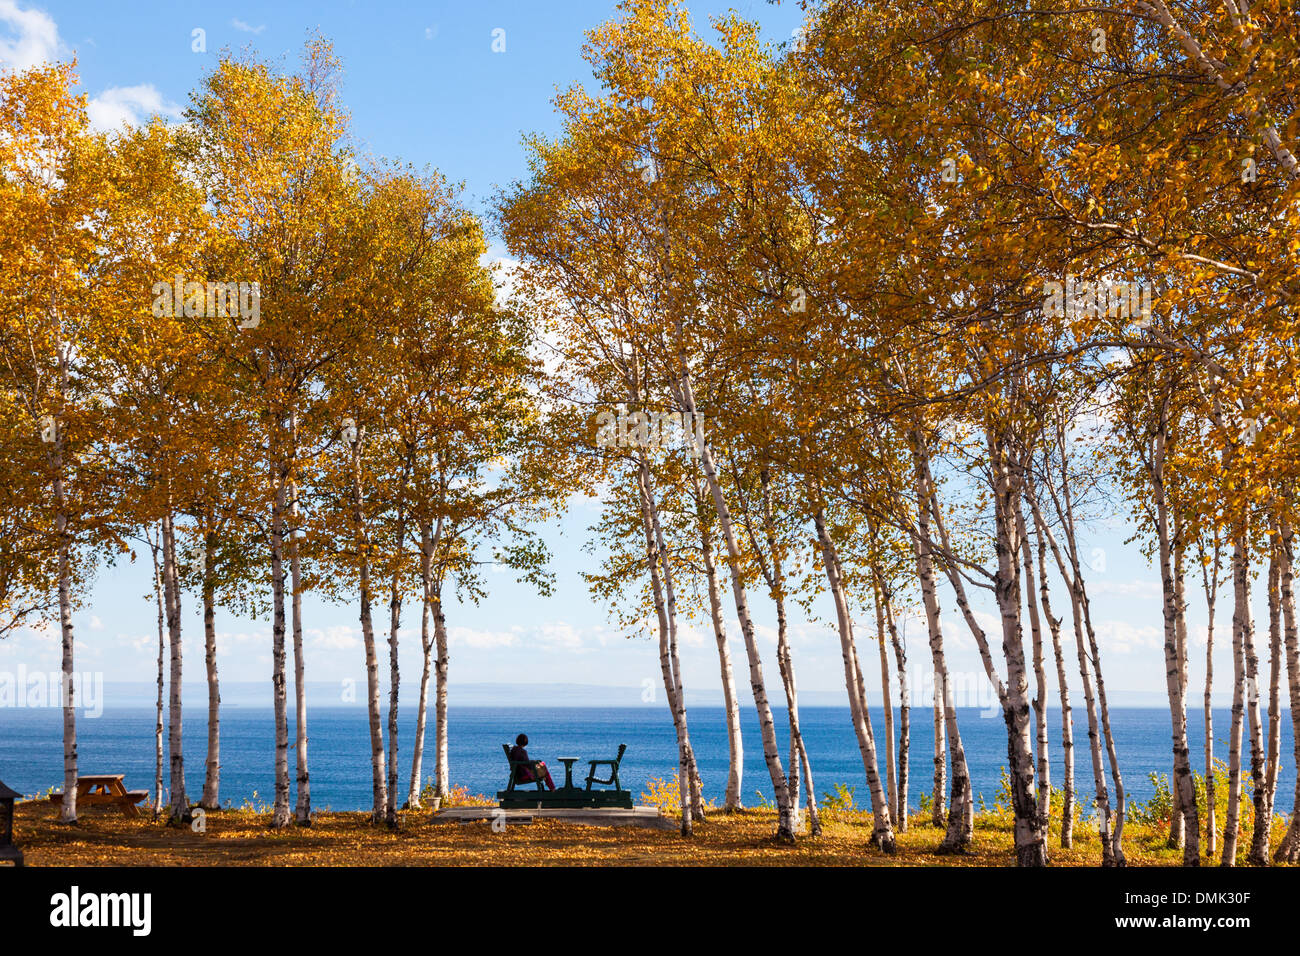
(525, 775)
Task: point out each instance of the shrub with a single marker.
(460, 797)
(838, 801)
(664, 795)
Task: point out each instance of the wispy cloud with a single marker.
(246, 27)
(28, 37)
(559, 636)
(1138, 588)
(469, 637)
(335, 637)
(123, 106)
(1124, 638)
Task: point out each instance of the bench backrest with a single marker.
(619, 758)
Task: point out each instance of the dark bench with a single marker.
(613, 770)
(534, 767)
(519, 797)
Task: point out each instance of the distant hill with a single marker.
(335, 694)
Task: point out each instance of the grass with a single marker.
(243, 837)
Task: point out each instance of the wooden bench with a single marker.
(534, 767)
(516, 797)
(101, 789)
(613, 770)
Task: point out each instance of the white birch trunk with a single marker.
(379, 782)
(940, 754)
(211, 799)
(1211, 598)
(1274, 687)
(887, 696)
(1030, 829)
(394, 670)
(426, 648)
(1109, 832)
(394, 681)
(1081, 608)
(1063, 690)
(883, 833)
(55, 458)
(900, 808)
(302, 809)
(68, 807)
(785, 664)
(1178, 818)
(1040, 676)
(798, 753)
(441, 764)
(961, 804)
(670, 594)
(735, 748)
(1182, 783)
(1031, 849)
(814, 816)
(1241, 610)
(280, 815)
(1288, 850)
(671, 678)
(1262, 838)
(158, 711)
(1258, 854)
(767, 727)
(178, 806)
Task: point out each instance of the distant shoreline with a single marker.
(245, 694)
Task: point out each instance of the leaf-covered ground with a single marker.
(243, 837)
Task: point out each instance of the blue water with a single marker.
(122, 741)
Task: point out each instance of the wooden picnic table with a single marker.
(105, 788)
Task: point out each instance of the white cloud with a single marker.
(957, 633)
(123, 106)
(39, 631)
(813, 633)
(692, 636)
(27, 37)
(763, 633)
(505, 275)
(337, 637)
(1138, 588)
(226, 638)
(559, 636)
(140, 643)
(469, 637)
(1124, 637)
(247, 28)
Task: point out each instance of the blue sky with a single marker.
(421, 80)
(423, 84)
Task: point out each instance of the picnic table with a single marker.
(104, 788)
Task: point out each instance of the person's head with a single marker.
(522, 740)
